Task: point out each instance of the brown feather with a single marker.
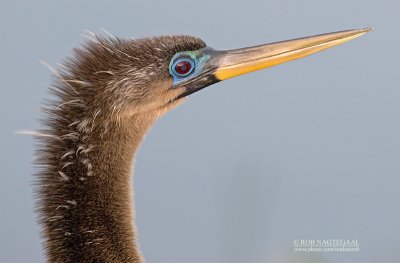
(106, 98)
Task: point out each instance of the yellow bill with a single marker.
(241, 61)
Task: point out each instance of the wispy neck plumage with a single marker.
(85, 191)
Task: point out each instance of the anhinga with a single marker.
(107, 97)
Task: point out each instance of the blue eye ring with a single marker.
(182, 66)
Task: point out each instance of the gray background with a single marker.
(308, 149)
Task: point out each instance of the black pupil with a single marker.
(183, 67)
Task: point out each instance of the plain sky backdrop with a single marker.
(308, 149)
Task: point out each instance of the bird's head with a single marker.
(127, 77)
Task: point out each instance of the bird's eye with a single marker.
(183, 67)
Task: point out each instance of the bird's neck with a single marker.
(87, 197)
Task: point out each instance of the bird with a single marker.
(104, 99)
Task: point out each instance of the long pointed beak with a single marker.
(240, 61)
(221, 65)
